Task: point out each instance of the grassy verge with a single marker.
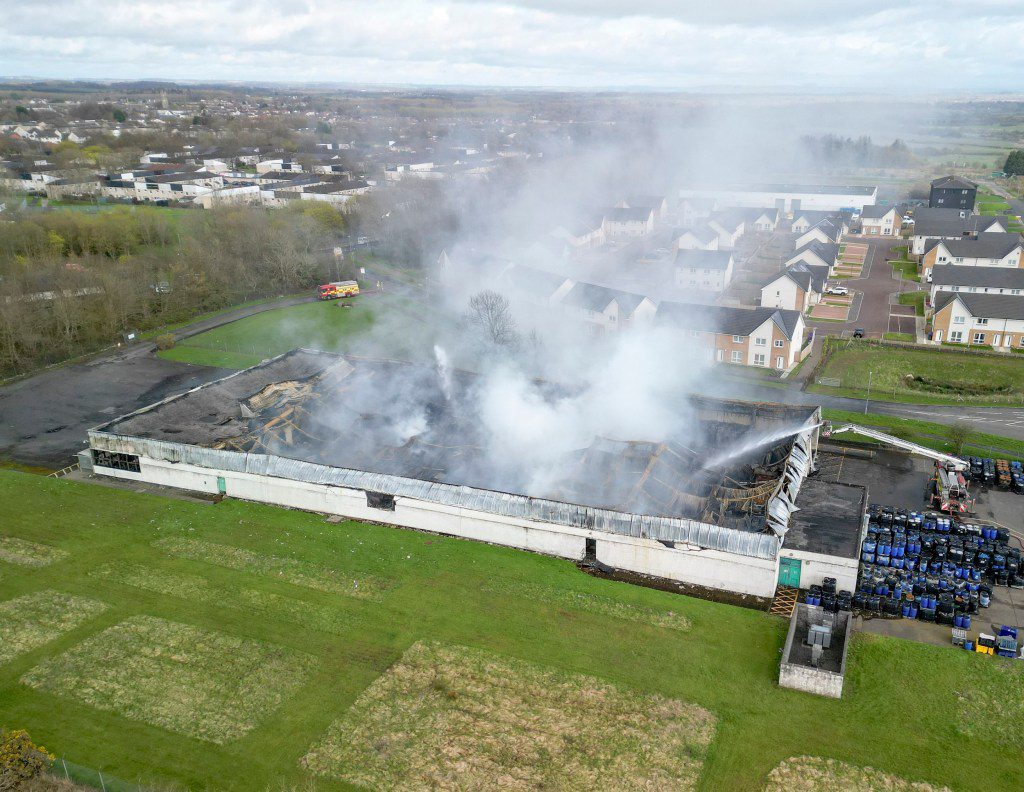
(333, 325)
(927, 433)
(914, 298)
(181, 687)
(174, 326)
(922, 375)
(905, 337)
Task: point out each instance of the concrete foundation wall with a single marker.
(710, 568)
(703, 567)
(811, 680)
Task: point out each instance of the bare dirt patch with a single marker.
(449, 717)
(307, 574)
(201, 683)
(32, 554)
(28, 622)
(812, 774)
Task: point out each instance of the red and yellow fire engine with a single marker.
(337, 289)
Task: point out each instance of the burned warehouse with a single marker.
(719, 505)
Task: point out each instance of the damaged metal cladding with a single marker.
(323, 419)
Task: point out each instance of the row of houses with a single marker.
(765, 337)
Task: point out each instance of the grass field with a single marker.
(923, 376)
(332, 325)
(171, 684)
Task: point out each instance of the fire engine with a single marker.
(337, 289)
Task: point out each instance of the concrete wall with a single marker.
(811, 680)
(814, 568)
(711, 568)
(554, 540)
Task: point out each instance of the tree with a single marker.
(21, 111)
(490, 319)
(118, 115)
(1015, 163)
(20, 759)
(958, 433)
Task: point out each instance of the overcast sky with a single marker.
(916, 45)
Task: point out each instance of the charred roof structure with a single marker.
(729, 483)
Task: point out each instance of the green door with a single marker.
(789, 572)
(222, 485)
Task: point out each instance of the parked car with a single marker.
(835, 288)
(858, 332)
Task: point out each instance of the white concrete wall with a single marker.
(814, 568)
(710, 568)
(702, 567)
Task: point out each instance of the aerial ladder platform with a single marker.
(914, 448)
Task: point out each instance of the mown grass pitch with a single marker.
(903, 712)
(449, 717)
(201, 683)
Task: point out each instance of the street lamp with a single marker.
(868, 399)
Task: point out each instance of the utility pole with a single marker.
(868, 399)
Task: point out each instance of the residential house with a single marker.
(766, 337)
(787, 197)
(607, 309)
(829, 230)
(983, 280)
(656, 203)
(729, 225)
(804, 220)
(796, 288)
(953, 192)
(762, 220)
(707, 270)
(627, 222)
(995, 320)
(702, 237)
(815, 253)
(878, 220)
(985, 250)
(582, 234)
(950, 224)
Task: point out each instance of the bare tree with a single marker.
(958, 432)
(490, 318)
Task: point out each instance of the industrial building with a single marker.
(717, 508)
(787, 197)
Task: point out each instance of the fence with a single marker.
(96, 779)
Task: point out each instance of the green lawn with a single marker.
(908, 268)
(923, 376)
(906, 337)
(201, 675)
(914, 298)
(332, 325)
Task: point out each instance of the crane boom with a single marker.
(906, 445)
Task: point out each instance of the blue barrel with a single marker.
(913, 611)
(966, 621)
(905, 610)
(882, 560)
(969, 646)
(958, 620)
